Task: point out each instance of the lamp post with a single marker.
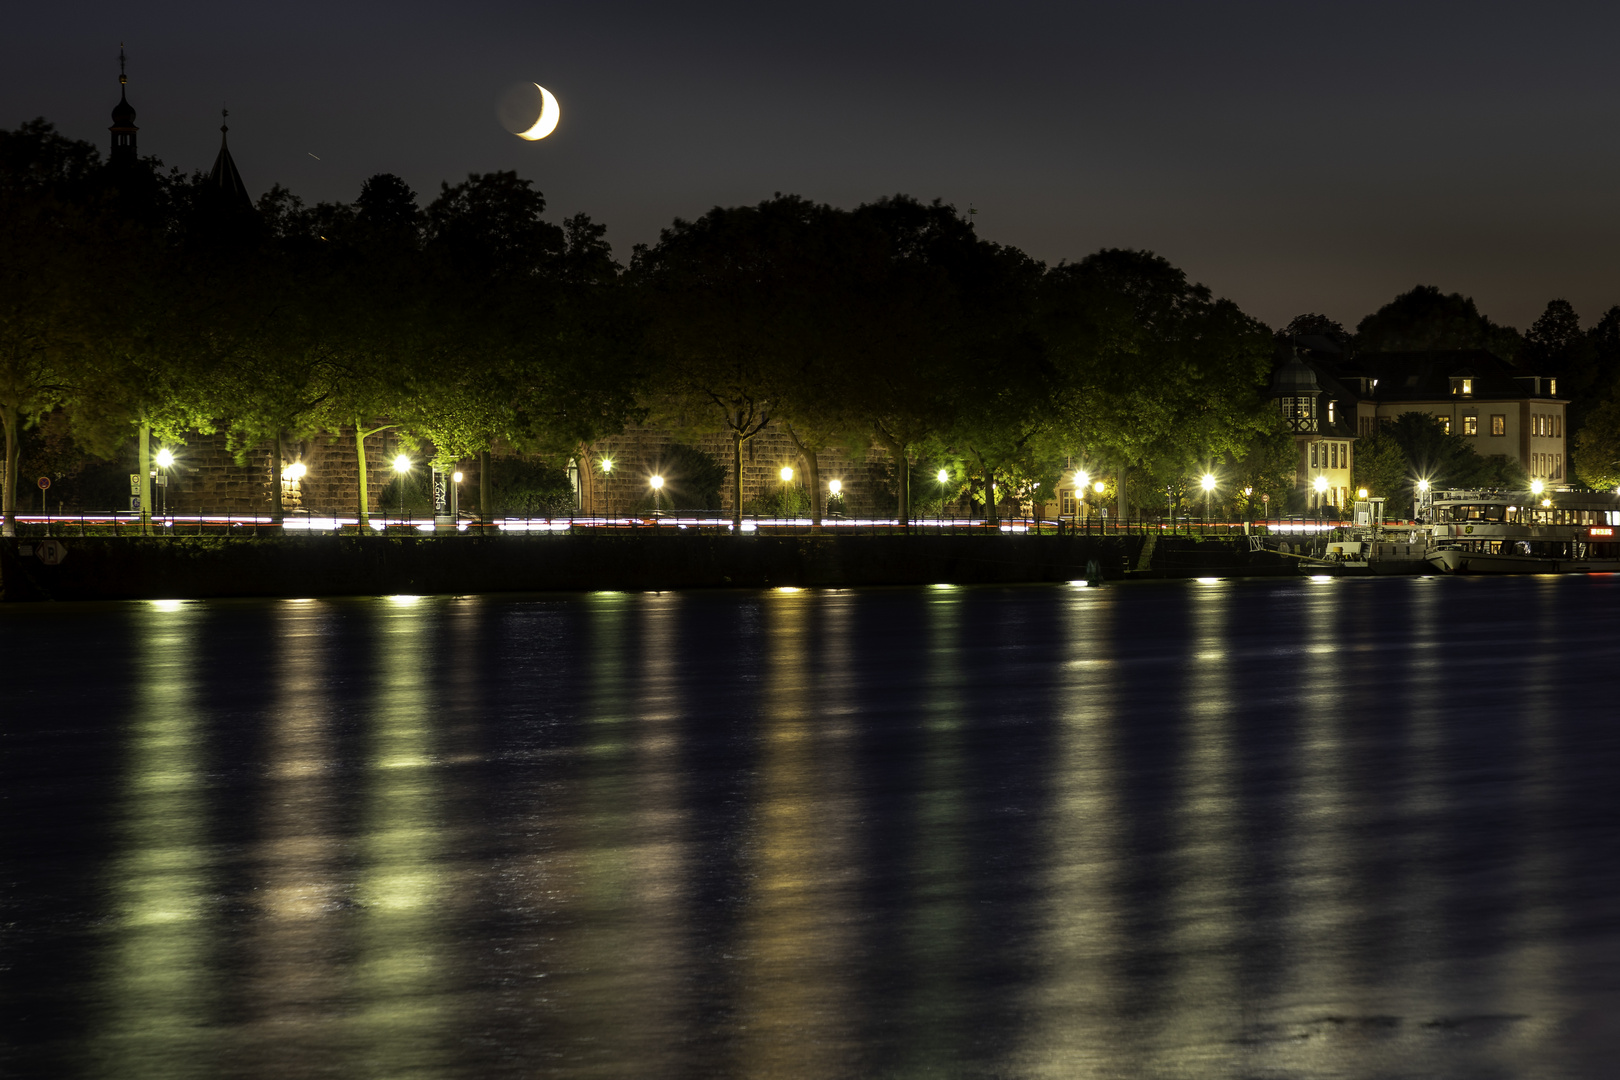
(656, 482)
(1321, 486)
(455, 497)
(164, 459)
(607, 485)
(835, 490)
(1248, 502)
(1208, 484)
(402, 465)
(944, 477)
(1097, 489)
(787, 478)
(1081, 480)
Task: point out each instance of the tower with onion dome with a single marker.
(123, 116)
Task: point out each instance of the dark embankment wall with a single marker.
(96, 568)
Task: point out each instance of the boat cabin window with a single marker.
(1479, 512)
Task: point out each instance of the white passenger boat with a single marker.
(1497, 532)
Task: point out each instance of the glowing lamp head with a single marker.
(1423, 485)
(942, 476)
(1082, 479)
(1537, 487)
(835, 486)
(1321, 484)
(786, 474)
(456, 476)
(656, 482)
(1099, 487)
(1208, 482)
(164, 459)
(1361, 493)
(295, 471)
(402, 464)
(1546, 502)
(1248, 491)
(607, 464)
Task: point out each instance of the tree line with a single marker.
(132, 295)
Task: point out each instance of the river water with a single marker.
(1236, 829)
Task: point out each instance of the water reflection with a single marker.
(1272, 829)
(160, 979)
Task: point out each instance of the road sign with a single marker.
(44, 482)
(135, 485)
(50, 552)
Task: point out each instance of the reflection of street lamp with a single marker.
(657, 484)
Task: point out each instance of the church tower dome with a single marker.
(123, 120)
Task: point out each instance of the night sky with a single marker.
(1293, 156)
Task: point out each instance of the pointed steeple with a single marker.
(224, 181)
(123, 116)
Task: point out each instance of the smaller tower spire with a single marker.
(123, 119)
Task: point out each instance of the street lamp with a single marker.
(402, 465)
(657, 484)
(944, 477)
(164, 459)
(1537, 487)
(1321, 487)
(1208, 484)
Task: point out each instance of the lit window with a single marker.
(1552, 387)
(1313, 455)
(1498, 423)
(1445, 423)
(1470, 425)
(1331, 404)
(1558, 427)
(1467, 387)
(1558, 466)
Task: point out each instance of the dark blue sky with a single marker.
(1293, 156)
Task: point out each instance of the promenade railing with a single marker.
(237, 524)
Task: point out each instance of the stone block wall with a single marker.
(206, 478)
(637, 452)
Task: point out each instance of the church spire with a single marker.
(123, 116)
(224, 181)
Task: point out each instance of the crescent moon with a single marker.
(549, 115)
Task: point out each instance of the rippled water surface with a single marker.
(1268, 829)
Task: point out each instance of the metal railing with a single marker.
(237, 524)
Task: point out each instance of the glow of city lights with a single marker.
(402, 464)
(164, 459)
(786, 473)
(835, 486)
(1208, 482)
(657, 482)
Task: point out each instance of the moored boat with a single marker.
(1535, 532)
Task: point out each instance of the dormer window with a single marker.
(1331, 419)
(1462, 386)
(1552, 387)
